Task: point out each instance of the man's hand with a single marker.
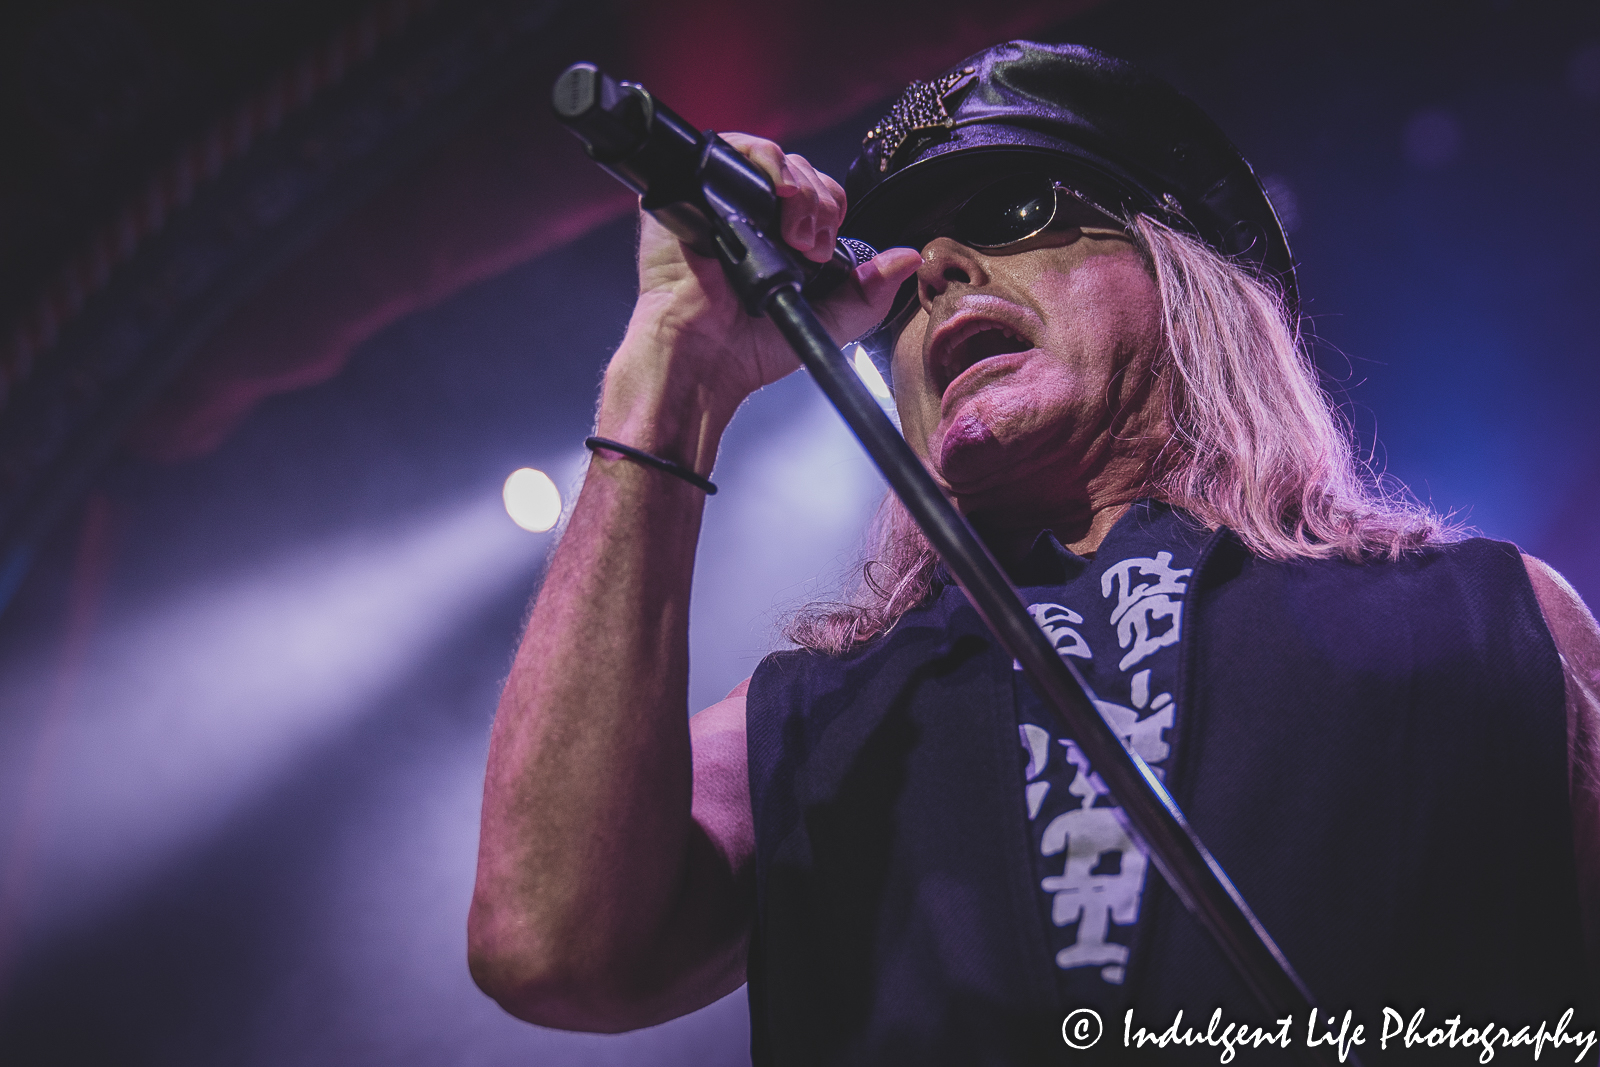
(690, 338)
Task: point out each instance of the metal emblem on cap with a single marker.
(920, 107)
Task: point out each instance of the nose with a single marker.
(946, 262)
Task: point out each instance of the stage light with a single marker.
(532, 500)
(869, 374)
(192, 709)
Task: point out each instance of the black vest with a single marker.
(1376, 754)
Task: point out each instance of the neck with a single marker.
(1099, 525)
(1079, 532)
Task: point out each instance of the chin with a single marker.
(989, 442)
(979, 462)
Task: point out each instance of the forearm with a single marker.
(600, 902)
(586, 821)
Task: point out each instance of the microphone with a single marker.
(677, 171)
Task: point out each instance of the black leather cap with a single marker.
(1124, 140)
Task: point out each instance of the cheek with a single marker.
(1104, 336)
(1116, 311)
(914, 396)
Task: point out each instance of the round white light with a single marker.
(532, 500)
(869, 374)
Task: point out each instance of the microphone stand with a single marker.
(702, 189)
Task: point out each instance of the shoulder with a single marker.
(723, 719)
(915, 633)
(721, 803)
(1572, 625)
(1467, 605)
(1474, 574)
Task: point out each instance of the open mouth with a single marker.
(991, 340)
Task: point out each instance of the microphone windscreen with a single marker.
(858, 251)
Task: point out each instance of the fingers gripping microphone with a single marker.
(696, 184)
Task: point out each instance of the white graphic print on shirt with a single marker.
(1053, 619)
(1139, 605)
(1102, 878)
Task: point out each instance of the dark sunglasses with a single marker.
(1015, 209)
(1002, 214)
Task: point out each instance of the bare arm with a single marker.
(612, 887)
(1577, 638)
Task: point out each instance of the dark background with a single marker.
(246, 683)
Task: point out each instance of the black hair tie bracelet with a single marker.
(664, 465)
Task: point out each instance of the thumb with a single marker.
(855, 308)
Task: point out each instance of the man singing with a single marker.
(1385, 733)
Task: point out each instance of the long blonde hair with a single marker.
(1257, 446)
